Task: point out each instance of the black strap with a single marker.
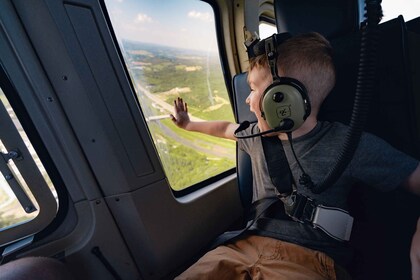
(282, 178)
(258, 208)
(278, 166)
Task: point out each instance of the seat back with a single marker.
(413, 27)
(393, 108)
(331, 18)
(242, 113)
(381, 247)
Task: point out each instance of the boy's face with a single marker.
(259, 78)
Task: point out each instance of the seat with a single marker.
(393, 108)
(413, 32)
(242, 113)
(414, 25)
(341, 17)
(384, 221)
(331, 18)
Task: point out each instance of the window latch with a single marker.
(13, 182)
(13, 154)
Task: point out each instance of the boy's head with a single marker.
(306, 58)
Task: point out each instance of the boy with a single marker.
(297, 250)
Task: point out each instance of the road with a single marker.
(198, 144)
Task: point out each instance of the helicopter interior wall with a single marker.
(66, 67)
(104, 152)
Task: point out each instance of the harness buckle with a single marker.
(335, 222)
(299, 207)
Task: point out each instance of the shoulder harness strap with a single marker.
(335, 222)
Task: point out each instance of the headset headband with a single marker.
(258, 47)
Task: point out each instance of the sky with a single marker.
(393, 8)
(180, 23)
(176, 23)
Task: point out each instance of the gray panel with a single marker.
(165, 234)
(27, 76)
(96, 99)
(93, 47)
(70, 92)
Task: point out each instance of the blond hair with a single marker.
(307, 58)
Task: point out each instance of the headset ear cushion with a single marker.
(285, 100)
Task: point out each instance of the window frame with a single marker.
(227, 79)
(52, 212)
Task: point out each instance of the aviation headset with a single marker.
(284, 104)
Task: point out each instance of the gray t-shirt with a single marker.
(375, 163)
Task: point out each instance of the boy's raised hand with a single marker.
(181, 118)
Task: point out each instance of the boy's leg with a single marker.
(283, 260)
(257, 257)
(226, 262)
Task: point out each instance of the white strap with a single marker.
(335, 222)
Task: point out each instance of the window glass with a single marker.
(12, 212)
(170, 50)
(409, 9)
(266, 30)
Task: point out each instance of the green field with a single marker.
(168, 73)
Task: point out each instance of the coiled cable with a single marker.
(364, 92)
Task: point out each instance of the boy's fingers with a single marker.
(176, 106)
(181, 104)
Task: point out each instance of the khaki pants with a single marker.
(257, 257)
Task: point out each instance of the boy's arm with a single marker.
(223, 129)
(413, 182)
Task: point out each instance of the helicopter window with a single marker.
(409, 9)
(170, 50)
(24, 183)
(266, 29)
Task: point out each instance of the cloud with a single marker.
(201, 16)
(143, 18)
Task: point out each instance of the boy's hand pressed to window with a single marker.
(181, 118)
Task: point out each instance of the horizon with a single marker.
(147, 22)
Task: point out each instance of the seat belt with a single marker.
(258, 208)
(335, 222)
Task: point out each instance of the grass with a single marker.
(161, 69)
(185, 166)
